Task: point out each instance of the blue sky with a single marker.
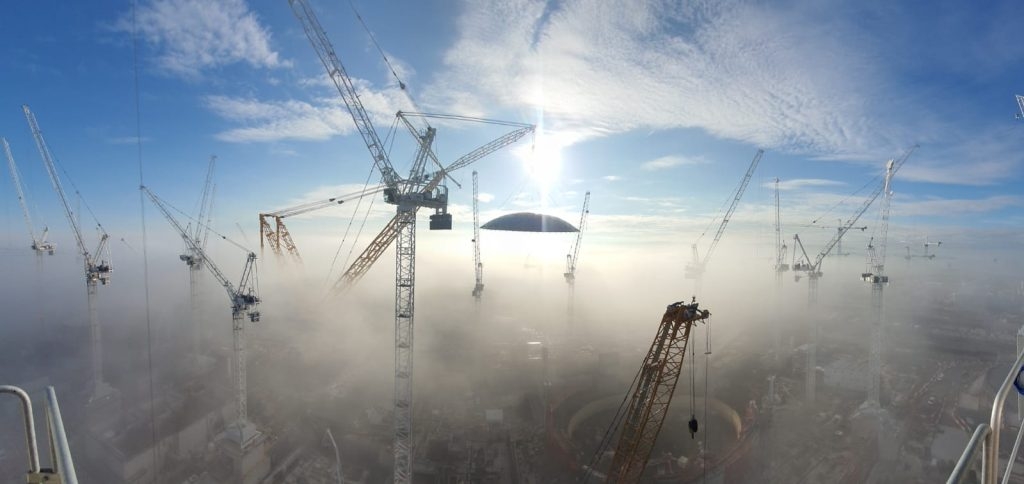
(655, 107)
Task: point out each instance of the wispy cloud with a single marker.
(799, 183)
(193, 35)
(670, 161)
(945, 207)
(737, 71)
(265, 121)
(611, 178)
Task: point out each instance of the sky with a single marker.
(656, 108)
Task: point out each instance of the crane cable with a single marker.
(609, 433)
(401, 84)
(145, 251)
(389, 141)
(833, 207)
(197, 222)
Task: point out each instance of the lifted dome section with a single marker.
(529, 222)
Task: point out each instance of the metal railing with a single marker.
(63, 467)
(987, 435)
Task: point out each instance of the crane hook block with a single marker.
(441, 221)
(693, 426)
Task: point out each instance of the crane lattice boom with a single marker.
(652, 391)
(39, 244)
(815, 268)
(387, 235)
(696, 268)
(279, 235)
(96, 268)
(573, 256)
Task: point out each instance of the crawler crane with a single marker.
(39, 244)
(650, 394)
(97, 265)
(244, 302)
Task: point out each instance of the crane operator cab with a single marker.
(441, 219)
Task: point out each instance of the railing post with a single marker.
(30, 425)
(1014, 380)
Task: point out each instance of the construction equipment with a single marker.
(39, 244)
(650, 394)
(780, 246)
(199, 234)
(419, 189)
(244, 303)
(875, 274)
(478, 266)
(387, 235)
(1020, 105)
(696, 267)
(572, 258)
(97, 262)
(927, 245)
(62, 466)
(278, 236)
(813, 268)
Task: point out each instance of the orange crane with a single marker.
(650, 395)
(278, 236)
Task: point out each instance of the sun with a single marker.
(544, 162)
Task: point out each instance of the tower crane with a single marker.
(39, 244)
(419, 189)
(875, 274)
(278, 236)
(193, 259)
(97, 262)
(695, 268)
(478, 267)
(650, 394)
(927, 245)
(244, 305)
(813, 268)
(387, 235)
(1020, 105)
(572, 258)
(780, 246)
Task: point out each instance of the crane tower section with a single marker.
(478, 266)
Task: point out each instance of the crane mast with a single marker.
(696, 268)
(194, 260)
(572, 258)
(780, 247)
(39, 244)
(478, 266)
(652, 392)
(244, 302)
(875, 274)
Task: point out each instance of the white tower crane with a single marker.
(695, 269)
(39, 244)
(780, 246)
(419, 189)
(572, 258)
(97, 263)
(244, 303)
(875, 274)
(1020, 105)
(478, 266)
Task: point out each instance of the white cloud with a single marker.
(265, 121)
(741, 71)
(670, 161)
(944, 207)
(193, 35)
(798, 183)
(128, 140)
(611, 178)
(485, 197)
